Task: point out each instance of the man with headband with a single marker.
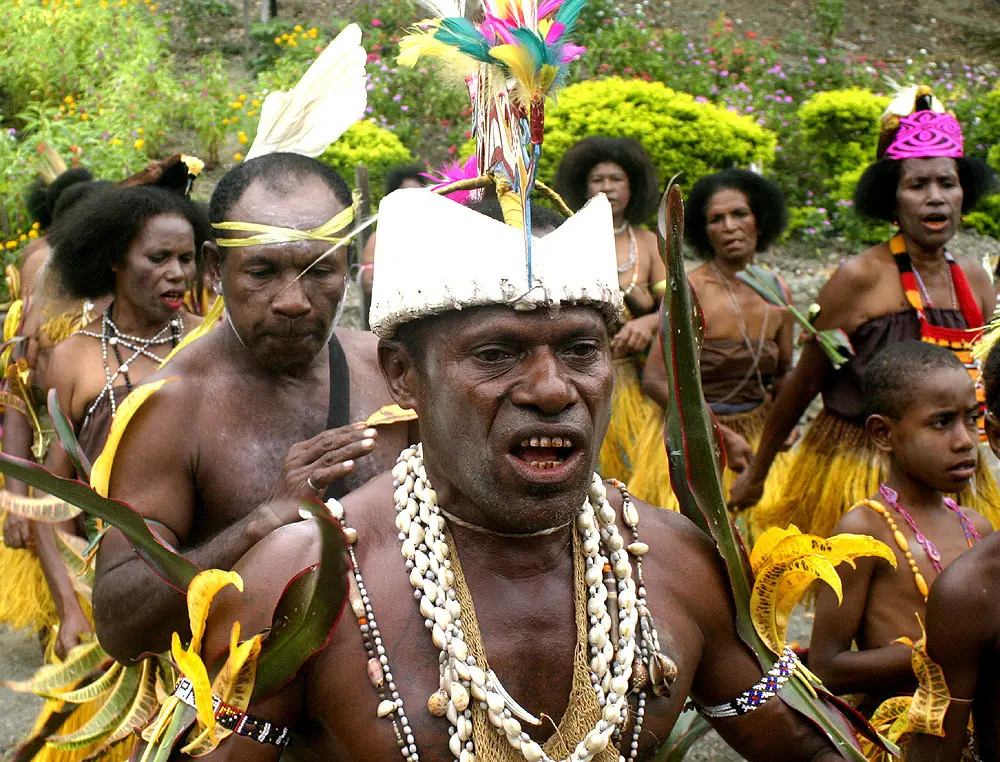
(267, 408)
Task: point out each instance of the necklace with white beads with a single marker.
(425, 548)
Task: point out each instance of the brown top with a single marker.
(728, 375)
(95, 432)
(842, 391)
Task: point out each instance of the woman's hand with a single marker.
(635, 336)
(17, 531)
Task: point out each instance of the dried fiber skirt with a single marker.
(836, 466)
(631, 414)
(25, 600)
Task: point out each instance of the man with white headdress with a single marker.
(512, 612)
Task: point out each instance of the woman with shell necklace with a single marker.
(138, 245)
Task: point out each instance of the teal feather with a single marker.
(540, 53)
(568, 14)
(462, 34)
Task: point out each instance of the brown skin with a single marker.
(487, 377)
(927, 448)
(963, 633)
(635, 336)
(219, 456)
(929, 204)
(732, 232)
(159, 261)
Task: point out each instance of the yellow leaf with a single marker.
(193, 668)
(847, 547)
(764, 598)
(931, 700)
(390, 414)
(201, 593)
(766, 543)
(11, 324)
(100, 473)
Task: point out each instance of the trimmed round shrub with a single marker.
(680, 133)
(368, 144)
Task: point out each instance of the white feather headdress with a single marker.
(330, 97)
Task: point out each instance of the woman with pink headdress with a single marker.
(907, 288)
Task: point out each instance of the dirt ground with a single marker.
(20, 656)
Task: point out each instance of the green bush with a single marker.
(368, 144)
(680, 133)
(985, 219)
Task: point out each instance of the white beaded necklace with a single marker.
(425, 549)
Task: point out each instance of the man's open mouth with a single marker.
(544, 452)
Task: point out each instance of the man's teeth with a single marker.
(546, 442)
(545, 464)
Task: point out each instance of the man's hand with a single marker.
(746, 490)
(72, 628)
(310, 467)
(738, 450)
(17, 531)
(634, 336)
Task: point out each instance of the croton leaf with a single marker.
(308, 610)
(68, 440)
(174, 568)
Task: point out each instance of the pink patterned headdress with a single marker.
(926, 134)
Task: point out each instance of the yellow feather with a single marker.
(518, 61)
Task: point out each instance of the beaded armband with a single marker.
(236, 720)
(759, 694)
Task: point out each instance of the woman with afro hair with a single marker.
(622, 170)
(731, 217)
(907, 288)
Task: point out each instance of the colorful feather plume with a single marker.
(512, 59)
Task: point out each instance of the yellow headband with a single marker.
(273, 234)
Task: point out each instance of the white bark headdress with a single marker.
(432, 255)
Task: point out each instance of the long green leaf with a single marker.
(687, 731)
(308, 609)
(95, 689)
(694, 463)
(53, 678)
(174, 568)
(68, 440)
(108, 716)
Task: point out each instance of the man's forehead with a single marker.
(300, 203)
(541, 323)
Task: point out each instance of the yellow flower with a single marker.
(139, 143)
(236, 104)
(193, 163)
(242, 98)
(243, 138)
(255, 103)
(84, 117)
(35, 226)
(33, 233)
(313, 32)
(252, 112)
(116, 141)
(233, 120)
(22, 237)
(225, 120)
(292, 42)
(11, 244)
(140, 130)
(68, 99)
(238, 156)
(277, 40)
(297, 28)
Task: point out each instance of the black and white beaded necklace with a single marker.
(112, 336)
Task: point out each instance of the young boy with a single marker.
(963, 630)
(923, 416)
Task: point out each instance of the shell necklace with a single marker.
(425, 549)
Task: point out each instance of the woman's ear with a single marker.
(879, 428)
(399, 371)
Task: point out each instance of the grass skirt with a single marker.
(836, 466)
(631, 414)
(651, 482)
(25, 600)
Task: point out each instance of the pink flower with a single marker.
(376, 23)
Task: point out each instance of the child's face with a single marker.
(935, 440)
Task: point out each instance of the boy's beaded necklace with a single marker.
(892, 498)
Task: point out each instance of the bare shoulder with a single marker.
(861, 272)
(359, 346)
(370, 510)
(862, 519)
(967, 585)
(979, 521)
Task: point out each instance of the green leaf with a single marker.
(64, 431)
(174, 568)
(308, 609)
(108, 717)
(95, 689)
(687, 731)
(694, 463)
(50, 679)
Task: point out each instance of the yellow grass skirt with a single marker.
(631, 414)
(25, 600)
(118, 752)
(836, 466)
(651, 482)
